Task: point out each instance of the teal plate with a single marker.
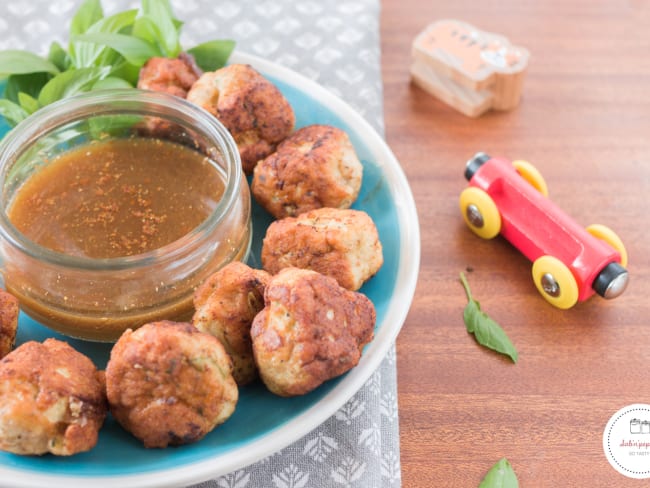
(262, 423)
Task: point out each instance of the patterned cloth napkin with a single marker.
(336, 44)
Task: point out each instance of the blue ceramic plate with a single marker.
(262, 423)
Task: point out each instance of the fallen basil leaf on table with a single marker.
(486, 331)
(501, 475)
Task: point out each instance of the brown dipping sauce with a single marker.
(117, 198)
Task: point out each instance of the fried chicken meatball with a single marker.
(310, 330)
(226, 304)
(314, 167)
(52, 399)
(169, 384)
(8, 322)
(249, 106)
(169, 75)
(341, 243)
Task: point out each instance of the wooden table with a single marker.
(584, 121)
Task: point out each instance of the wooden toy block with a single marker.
(469, 69)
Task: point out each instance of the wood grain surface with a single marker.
(584, 122)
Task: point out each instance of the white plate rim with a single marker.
(293, 430)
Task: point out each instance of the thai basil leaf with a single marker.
(16, 62)
(134, 50)
(30, 83)
(145, 29)
(88, 14)
(212, 55)
(58, 57)
(111, 82)
(86, 54)
(113, 126)
(12, 112)
(127, 71)
(29, 103)
(501, 475)
(486, 331)
(70, 83)
(160, 13)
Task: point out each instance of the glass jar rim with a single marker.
(119, 101)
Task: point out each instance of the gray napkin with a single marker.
(336, 44)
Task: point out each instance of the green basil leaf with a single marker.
(30, 83)
(15, 62)
(88, 14)
(115, 23)
(128, 72)
(501, 475)
(489, 334)
(160, 13)
(134, 50)
(470, 315)
(212, 55)
(111, 82)
(113, 126)
(12, 112)
(29, 103)
(486, 331)
(145, 29)
(70, 83)
(58, 57)
(85, 54)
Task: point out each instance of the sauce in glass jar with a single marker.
(114, 207)
(117, 197)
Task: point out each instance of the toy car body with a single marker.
(570, 263)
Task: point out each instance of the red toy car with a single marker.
(570, 262)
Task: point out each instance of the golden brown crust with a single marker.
(169, 384)
(341, 243)
(310, 330)
(52, 399)
(170, 75)
(250, 106)
(9, 310)
(226, 304)
(314, 167)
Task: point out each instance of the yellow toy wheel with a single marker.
(555, 282)
(609, 236)
(480, 212)
(532, 175)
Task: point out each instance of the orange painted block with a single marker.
(469, 69)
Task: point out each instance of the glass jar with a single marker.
(98, 298)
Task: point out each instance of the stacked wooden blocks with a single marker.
(469, 69)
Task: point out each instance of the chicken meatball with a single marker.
(8, 322)
(169, 75)
(310, 330)
(314, 167)
(169, 384)
(52, 400)
(249, 106)
(226, 304)
(341, 243)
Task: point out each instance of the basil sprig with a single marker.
(501, 475)
(486, 331)
(102, 52)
